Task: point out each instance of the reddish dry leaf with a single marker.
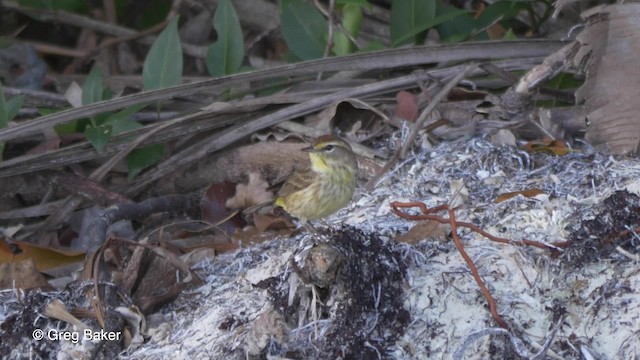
(407, 107)
(214, 209)
(556, 147)
(530, 193)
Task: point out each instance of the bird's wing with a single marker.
(296, 182)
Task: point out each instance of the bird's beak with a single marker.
(309, 149)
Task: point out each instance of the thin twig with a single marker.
(555, 246)
(517, 343)
(146, 32)
(115, 41)
(65, 17)
(255, 41)
(419, 123)
(72, 202)
(338, 24)
(227, 136)
(51, 49)
(474, 270)
(329, 14)
(427, 215)
(361, 61)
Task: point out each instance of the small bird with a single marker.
(323, 189)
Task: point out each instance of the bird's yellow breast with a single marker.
(318, 163)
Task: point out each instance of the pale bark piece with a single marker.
(21, 275)
(610, 45)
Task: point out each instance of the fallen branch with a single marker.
(554, 247)
(427, 214)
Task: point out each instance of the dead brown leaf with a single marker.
(462, 94)
(45, 146)
(529, 193)
(214, 209)
(551, 146)
(423, 230)
(264, 222)
(252, 235)
(253, 193)
(348, 116)
(43, 257)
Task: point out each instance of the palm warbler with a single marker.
(326, 187)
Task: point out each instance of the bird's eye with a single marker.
(329, 147)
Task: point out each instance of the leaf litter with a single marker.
(393, 300)
(440, 304)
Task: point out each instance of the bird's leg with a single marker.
(312, 229)
(324, 223)
(330, 229)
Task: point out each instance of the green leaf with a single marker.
(92, 89)
(509, 35)
(351, 20)
(408, 19)
(373, 46)
(425, 24)
(142, 158)
(499, 11)
(163, 64)
(563, 81)
(284, 4)
(272, 86)
(121, 121)
(304, 29)
(458, 25)
(12, 107)
(151, 13)
(98, 136)
(73, 127)
(5, 42)
(225, 55)
(9, 109)
(4, 118)
(124, 124)
(362, 3)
